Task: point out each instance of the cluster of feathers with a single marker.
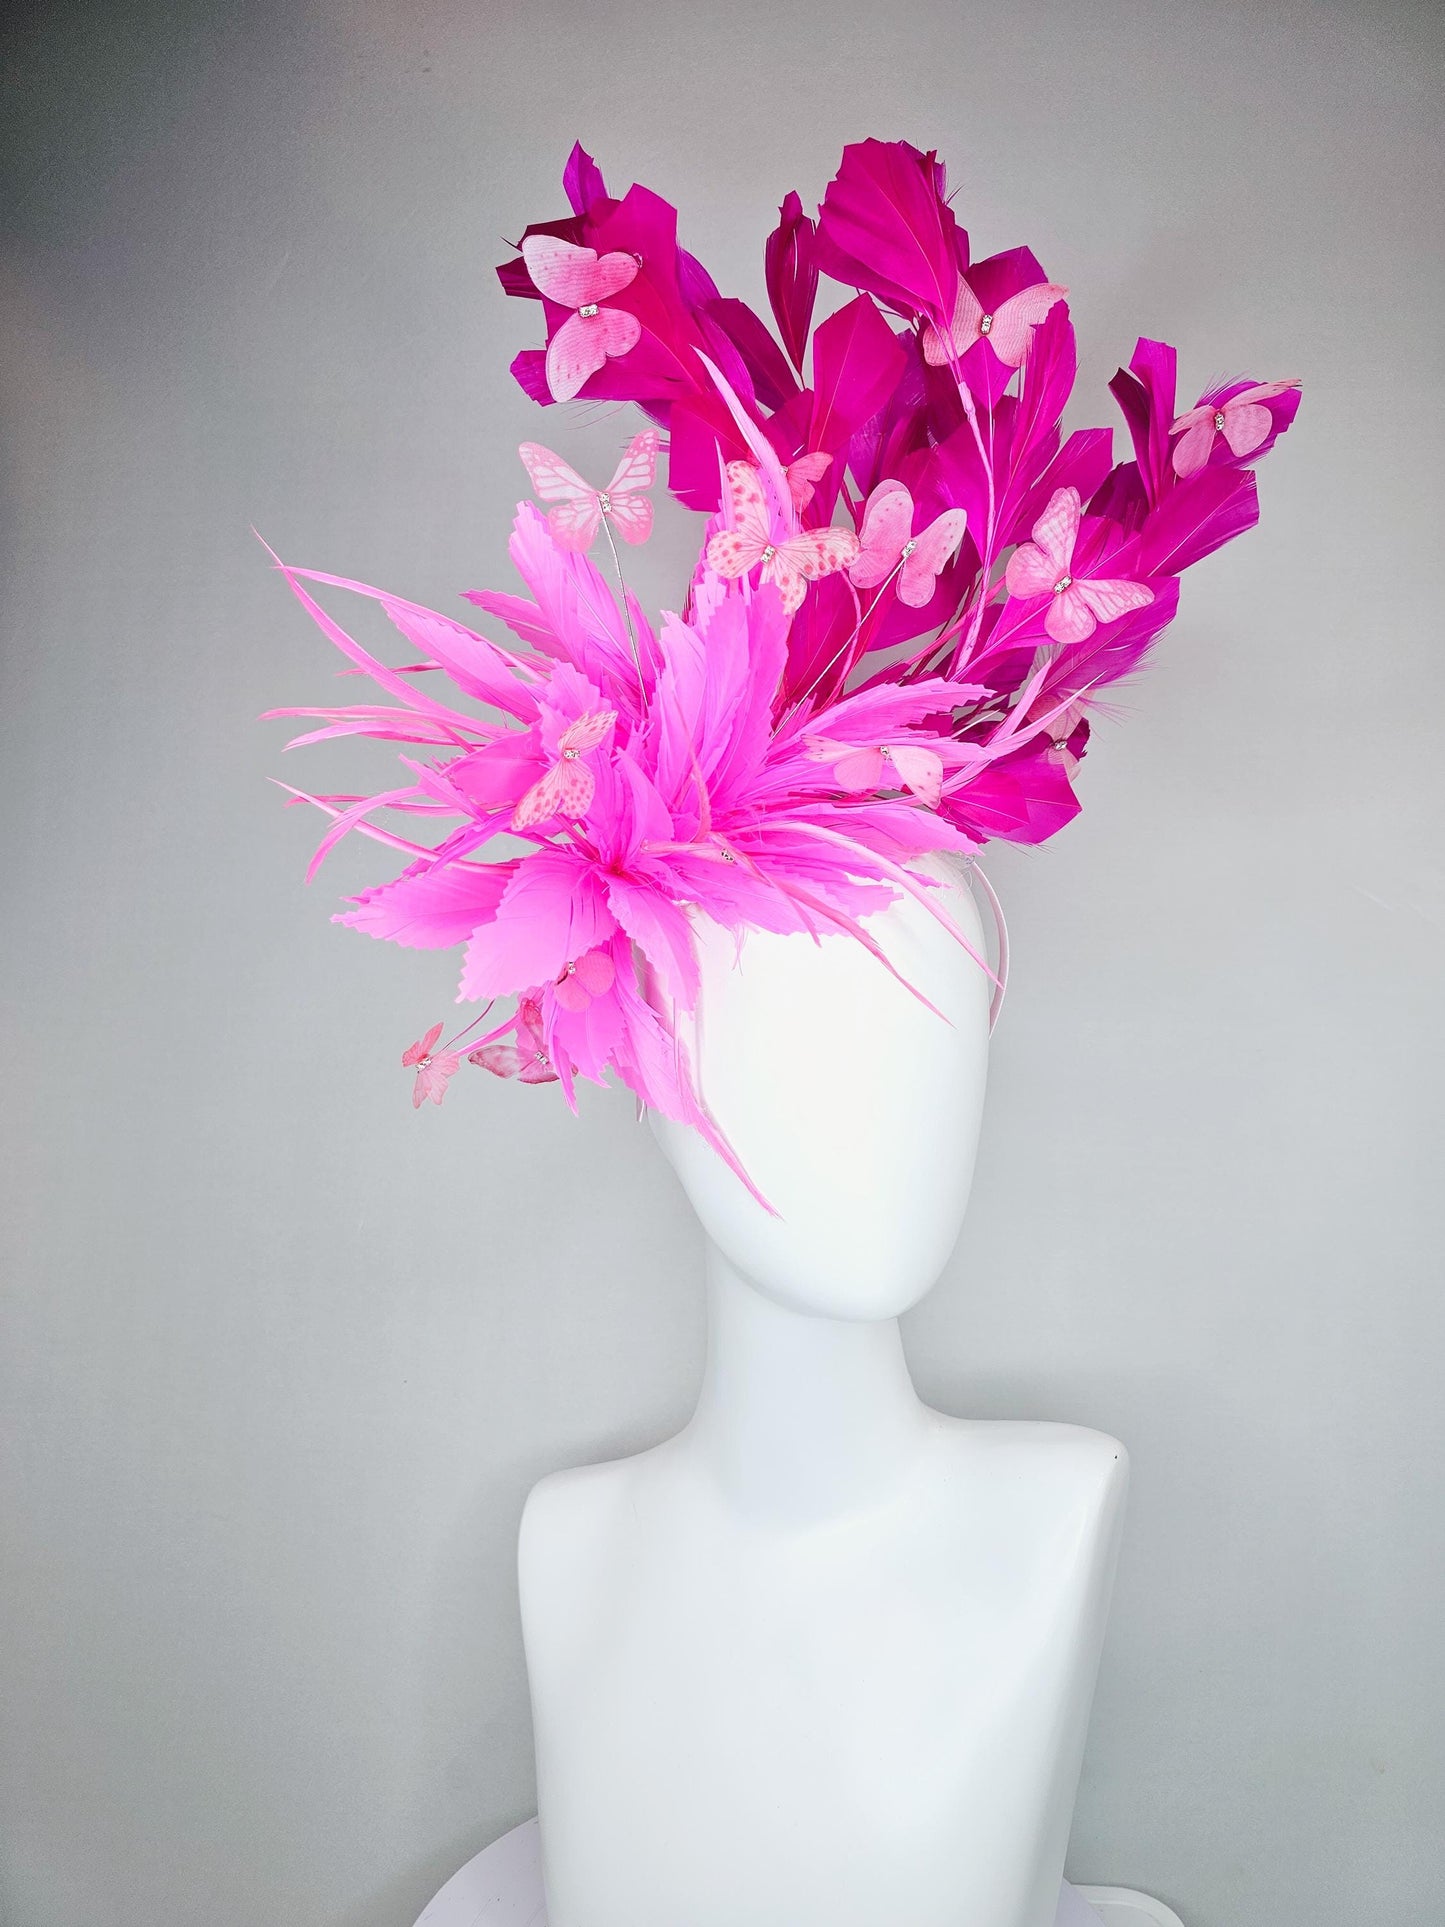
(911, 589)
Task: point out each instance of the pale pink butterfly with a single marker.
(434, 1068)
(790, 563)
(1045, 567)
(887, 539)
(590, 975)
(581, 279)
(527, 1059)
(579, 508)
(908, 766)
(1241, 420)
(1008, 330)
(804, 476)
(568, 786)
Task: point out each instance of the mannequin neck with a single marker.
(801, 1415)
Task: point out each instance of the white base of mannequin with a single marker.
(502, 1887)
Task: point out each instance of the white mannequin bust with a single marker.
(825, 1658)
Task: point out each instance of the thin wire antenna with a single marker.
(626, 608)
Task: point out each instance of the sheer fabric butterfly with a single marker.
(887, 541)
(434, 1069)
(905, 766)
(527, 1058)
(804, 476)
(1008, 330)
(568, 787)
(582, 279)
(1045, 567)
(789, 562)
(578, 508)
(1243, 421)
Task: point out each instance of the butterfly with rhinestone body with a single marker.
(434, 1068)
(527, 1059)
(581, 279)
(913, 767)
(577, 508)
(789, 562)
(1045, 567)
(568, 786)
(1243, 421)
(886, 542)
(1008, 330)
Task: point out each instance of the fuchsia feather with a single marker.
(778, 754)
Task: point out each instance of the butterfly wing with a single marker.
(502, 1060)
(806, 557)
(588, 731)
(1030, 571)
(1191, 451)
(804, 476)
(552, 479)
(638, 467)
(571, 994)
(1110, 597)
(433, 1077)
(887, 524)
(575, 524)
(542, 800)
(584, 343)
(631, 517)
(920, 770)
(596, 972)
(1014, 320)
(967, 313)
(732, 552)
(1246, 425)
(1069, 618)
(918, 577)
(1057, 529)
(536, 1069)
(860, 769)
(423, 1047)
(575, 276)
(576, 786)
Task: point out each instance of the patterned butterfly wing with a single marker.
(631, 516)
(918, 577)
(588, 731)
(1014, 321)
(575, 524)
(638, 467)
(1191, 451)
(575, 277)
(967, 314)
(804, 476)
(887, 523)
(732, 552)
(586, 342)
(433, 1077)
(919, 770)
(570, 994)
(552, 479)
(805, 558)
(502, 1060)
(1069, 617)
(414, 1053)
(576, 786)
(1030, 571)
(1109, 598)
(596, 972)
(542, 800)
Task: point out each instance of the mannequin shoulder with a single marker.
(1073, 1460)
(570, 1516)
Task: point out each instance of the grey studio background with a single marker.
(280, 1357)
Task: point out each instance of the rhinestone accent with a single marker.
(1219, 419)
(588, 312)
(908, 547)
(604, 502)
(985, 327)
(570, 755)
(768, 553)
(1064, 582)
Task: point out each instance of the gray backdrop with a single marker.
(281, 1357)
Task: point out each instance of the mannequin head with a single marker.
(854, 1108)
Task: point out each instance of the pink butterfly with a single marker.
(887, 539)
(434, 1068)
(915, 768)
(804, 476)
(1241, 420)
(581, 279)
(527, 1059)
(1008, 330)
(580, 509)
(1044, 567)
(568, 786)
(792, 563)
(591, 975)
